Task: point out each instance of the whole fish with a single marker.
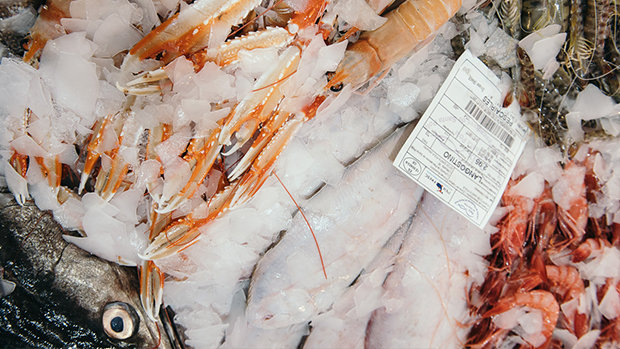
(351, 221)
(64, 296)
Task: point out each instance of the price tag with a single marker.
(466, 144)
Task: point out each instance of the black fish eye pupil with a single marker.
(117, 324)
(337, 88)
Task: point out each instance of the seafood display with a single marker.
(238, 154)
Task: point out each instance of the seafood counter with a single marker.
(238, 154)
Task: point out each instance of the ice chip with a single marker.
(591, 104)
(72, 78)
(531, 186)
(359, 14)
(543, 45)
(115, 35)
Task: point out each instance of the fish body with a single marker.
(424, 302)
(344, 325)
(63, 294)
(351, 221)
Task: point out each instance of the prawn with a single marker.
(188, 31)
(513, 228)
(570, 194)
(509, 13)
(414, 22)
(591, 248)
(540, 300)
(565, 281)
(545, 219)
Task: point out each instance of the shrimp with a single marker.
(151, 288)
(540, 300)
(610, 334)
(259, 108)
(570, 195)
(545, 219)
(538, 14)
(111, 135)
(579, 49)
(226, 54)
(566, 283)
(189, 30)
(513, 228)
(509, 13)
(596, 28)
(527, 82)
(591, 248)
(414, 22)
(49, 164)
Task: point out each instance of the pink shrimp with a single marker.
(540, 300)
(513, 228)
(570, 195)
(590, 248)
(545, 219)
(565, 281)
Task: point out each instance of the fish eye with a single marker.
(337, 88)
(120, 320)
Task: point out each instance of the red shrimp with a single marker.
(540, 300)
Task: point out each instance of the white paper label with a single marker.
(466, 145)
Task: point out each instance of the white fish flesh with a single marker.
(351, 221)
(425, 301)
(344, 325)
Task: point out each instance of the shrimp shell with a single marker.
(596, 30)
(509, 13)
(414, 23)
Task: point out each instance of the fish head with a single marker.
(66, 297)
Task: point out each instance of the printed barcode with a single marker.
(488, 123)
